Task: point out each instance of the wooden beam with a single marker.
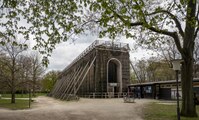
(135, 71)
(71, 87)
(70, 82)
(85, 75)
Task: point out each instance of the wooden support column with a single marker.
(85, 75)
(57, 87)
(64, 80)
(66, 84)
(70, 89)
(71, 82)
(96, 71)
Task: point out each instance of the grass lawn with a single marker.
(20, 104)
(155, 111)
(22, 95)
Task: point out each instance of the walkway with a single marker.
(46, 108)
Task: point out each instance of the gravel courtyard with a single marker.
(46, 108)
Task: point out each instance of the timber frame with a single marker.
(92, 74)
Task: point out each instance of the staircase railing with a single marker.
(93, 45)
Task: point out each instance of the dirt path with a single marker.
(46, 108)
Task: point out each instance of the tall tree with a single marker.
(36, 72)
(152, 68)
(24, 73)
(159, 70)
(10, 62)
(4, 73)
(57, 19)
(49, 80)
(155, 19)
(196, 58)
(47, 22)
(141, 71)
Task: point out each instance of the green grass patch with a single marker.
(22, 95)
(20, 104)
(154, 111)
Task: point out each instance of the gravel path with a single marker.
(46, 108)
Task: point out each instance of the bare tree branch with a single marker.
(178, 25)
(144, 23)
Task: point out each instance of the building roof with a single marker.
(160, 82)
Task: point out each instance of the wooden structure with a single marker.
(102, 70)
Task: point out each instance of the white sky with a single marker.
(66, 52)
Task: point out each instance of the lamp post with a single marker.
(176, 66)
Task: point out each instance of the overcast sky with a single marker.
(66, 52)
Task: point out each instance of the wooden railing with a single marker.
(98, 43)
(104, 95)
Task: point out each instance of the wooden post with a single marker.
(66, 84)
(71, 82)
(85, 75)
(69, 92)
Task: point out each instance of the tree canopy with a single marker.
(46, 22)
(50, 22)
(49, 80)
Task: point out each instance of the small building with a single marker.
(160, 89)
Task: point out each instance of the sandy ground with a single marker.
(46, 108)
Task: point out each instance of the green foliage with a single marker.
(159, 71)
(18, 70)
(141, 67)
(153, 69)
(51, 22)
(46, 22)
(49, 80)
(133, 78)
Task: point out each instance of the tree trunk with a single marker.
(13, 96)
(33, 91)
(188, 107)
(13, 87)
(34, 86)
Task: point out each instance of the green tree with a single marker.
(155, 19)
(133, 78)
(10, 65)
(47, 22)
(141, 71)
(159, 70)
(49, 80)
(151, 69)
(24, 77)
(59, 19)
(37, 70)
(4, 73)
